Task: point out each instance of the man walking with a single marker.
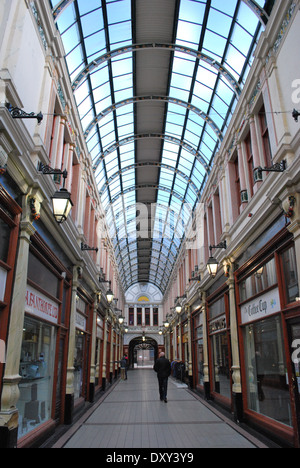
(123, 363)
(163, 369)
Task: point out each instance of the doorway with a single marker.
(143, 354)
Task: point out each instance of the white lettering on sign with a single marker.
(261, 307)
(39, 305)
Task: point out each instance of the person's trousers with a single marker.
(163, 387)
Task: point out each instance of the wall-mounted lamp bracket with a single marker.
(86, 247)
(18, 113)
(222, 245)
(279, 167)
(47, 170)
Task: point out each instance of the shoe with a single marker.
(166, 401)
(161, 399)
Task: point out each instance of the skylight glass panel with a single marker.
(88, 32)
(92, 22)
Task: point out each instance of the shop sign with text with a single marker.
(261, 307)
(40, 306)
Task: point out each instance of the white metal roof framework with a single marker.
(156, 84)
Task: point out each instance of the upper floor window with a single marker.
(250, 163)
(265, 137)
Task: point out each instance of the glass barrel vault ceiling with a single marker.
(211, 57)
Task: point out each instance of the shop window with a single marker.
(265, 138)
(266, 372)
(220, 347)
(5, 231)
(36, 371)
(263, 278)
(199, 349)
(217, 308)
(79, 363)
(290, 274)
(221, 365)
(40, 274)
(81, 347)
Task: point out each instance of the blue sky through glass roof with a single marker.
(225, 33)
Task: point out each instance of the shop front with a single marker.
(43, 357)
(219, 346)
(84, 312)
(269, 325)
(99, 351)
(198, 351)
(9, 233)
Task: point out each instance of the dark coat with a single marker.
(163, 368)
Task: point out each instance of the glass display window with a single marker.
(79, 364)
(200, 351)
(220, 351)
(266, 370)
(36, 371)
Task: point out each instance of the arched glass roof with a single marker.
(156, 84)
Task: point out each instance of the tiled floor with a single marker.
(132, 416)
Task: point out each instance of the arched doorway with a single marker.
(143, 354)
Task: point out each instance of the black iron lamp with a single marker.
(61, 200)
(213, 264)
(178, 306)
(166, 322)
(109, 293)
(121, 319)
(62, 205)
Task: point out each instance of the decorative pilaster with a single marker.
(205, 348)
(69, 403)
(190, 362)
(93, 350)
(105, 350)
(236, 365)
